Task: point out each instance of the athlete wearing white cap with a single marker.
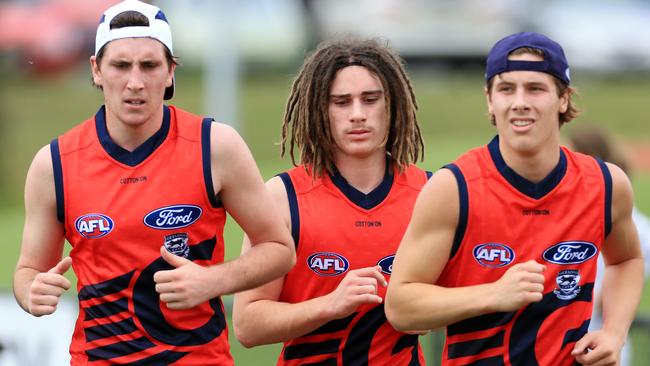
(140, 191)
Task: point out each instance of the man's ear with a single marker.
(94, 68)
(564, 100)
(488, 100)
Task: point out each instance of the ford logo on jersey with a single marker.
(327, 264)
(173, 217)
(386, 264)
(493, 255)
(570, 252)
(93, 225)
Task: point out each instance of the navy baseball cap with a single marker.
(554, 62)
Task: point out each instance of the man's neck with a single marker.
(533, 166)
(130, 136)
(363, 174)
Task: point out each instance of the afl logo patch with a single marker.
(93, 225)
(173, 217)
(570, 252)
(386, 264)
(327, 264)
(493, 255)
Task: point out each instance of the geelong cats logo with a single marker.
(568, 282)
(177, 244)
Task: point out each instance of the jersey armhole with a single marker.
(607, 177)
(293, 207)
(206, 125)
(58, 179)
(463, 208)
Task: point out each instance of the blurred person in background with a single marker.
(592, 140)
(351, 114)
(502, 245)
(141, 192)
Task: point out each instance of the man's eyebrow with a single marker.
(367, 92)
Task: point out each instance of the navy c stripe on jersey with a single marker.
(475, 346)
(119, 349)
(527, 324)
(574, 335)
(146, 305)
(114, 285)
(125, 326)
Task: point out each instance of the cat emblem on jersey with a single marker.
(177, 244)
(568, 287)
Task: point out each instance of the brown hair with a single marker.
(306, 118)
(562, 88)
(595, 141)
(132, 19)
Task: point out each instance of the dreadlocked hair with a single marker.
(306, 117)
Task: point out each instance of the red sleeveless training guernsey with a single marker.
(560, 222)
(334, 234)
(119, 208)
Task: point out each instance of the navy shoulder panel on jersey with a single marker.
(607, 176)
(463, 208)
(206, 159)
(58, 179)
(293, 207)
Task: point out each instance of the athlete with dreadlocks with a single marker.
(352, 116)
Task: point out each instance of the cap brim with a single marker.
(169, 91)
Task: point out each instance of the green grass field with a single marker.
(452, 116)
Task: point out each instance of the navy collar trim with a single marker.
(135, 157)
(365, 201)
(530, 189)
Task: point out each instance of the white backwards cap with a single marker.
(158, 28)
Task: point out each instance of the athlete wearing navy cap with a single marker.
(503, 243)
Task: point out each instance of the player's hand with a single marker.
(521, 285)
(47, 287)
(598, 348)
(185, 286)
(358, 287)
